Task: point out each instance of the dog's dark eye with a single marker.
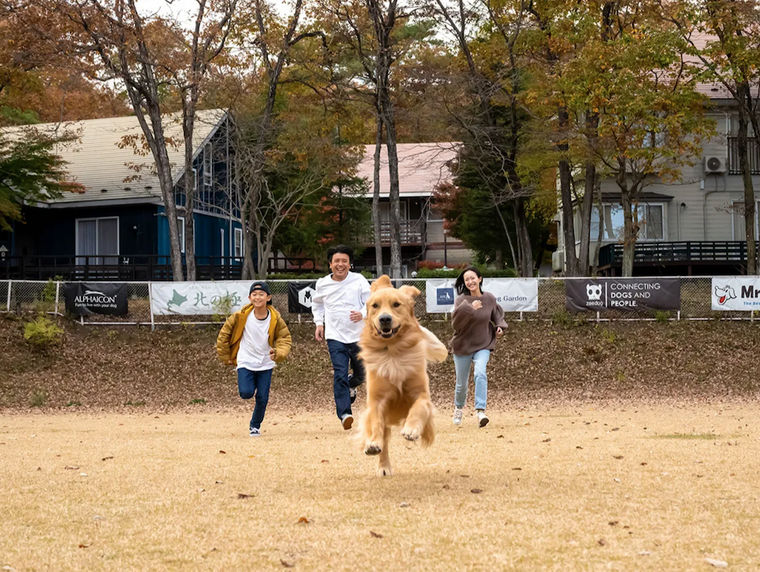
(396, 304)
(375, 305)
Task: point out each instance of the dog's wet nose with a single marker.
(385, 321)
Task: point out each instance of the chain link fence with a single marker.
(47, 297)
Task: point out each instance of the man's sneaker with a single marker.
(352, 394)
(347, 420)
(482, 418)
(254, 432)
(457, 419)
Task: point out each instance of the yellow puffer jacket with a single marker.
(228, 341)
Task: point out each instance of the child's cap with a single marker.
(260, 286)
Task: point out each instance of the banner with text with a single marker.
(512, 294)
(622, 294)
(85, 299)
(735, 293)
(193, 298)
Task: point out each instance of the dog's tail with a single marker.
(435, 351)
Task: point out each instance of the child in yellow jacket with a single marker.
(254, 345)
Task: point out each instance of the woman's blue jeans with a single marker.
(257, 383)
(462, 365)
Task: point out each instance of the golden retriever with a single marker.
(395, 350)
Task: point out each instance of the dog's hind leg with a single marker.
(383, 461)
(418, 420)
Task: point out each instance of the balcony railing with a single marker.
(753, 150)
(674, 253)
(412, 233)
(126, 267)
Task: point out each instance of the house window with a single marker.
(95, 238)
(239, 245)
(181, 228)
(650, 218)
(208, 165)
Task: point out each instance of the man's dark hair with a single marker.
(340, 249)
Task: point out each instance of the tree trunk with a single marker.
(157, 144)
(376, 222)
(525, 266)
(630, 222)
(749, 191)
(592, 122)
(188, 126)
(390, 131)
(566, 196)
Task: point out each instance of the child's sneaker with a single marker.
(347, 420)
(254, 432)
(457, 419)
(482, 418)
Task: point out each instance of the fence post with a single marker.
(8, 301)
(150, 305)
(57, 294)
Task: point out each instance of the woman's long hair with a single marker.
(459, 284)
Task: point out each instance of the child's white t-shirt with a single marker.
(253, 353)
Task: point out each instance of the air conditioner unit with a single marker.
(715, 165)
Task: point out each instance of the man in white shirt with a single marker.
(339, 308)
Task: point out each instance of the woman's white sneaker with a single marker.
(457, 419)
(482, 418)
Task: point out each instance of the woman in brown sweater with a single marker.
(478, 320)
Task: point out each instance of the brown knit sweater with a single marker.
(475, 329)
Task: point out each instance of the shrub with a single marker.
(43, 333)
(662, 316)
(38, 398)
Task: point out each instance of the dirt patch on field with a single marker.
(135, 369)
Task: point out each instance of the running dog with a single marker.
(395, 350)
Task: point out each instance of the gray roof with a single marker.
(113, 171)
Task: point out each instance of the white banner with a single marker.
(735, 293)
(512, 294)
(192, 298)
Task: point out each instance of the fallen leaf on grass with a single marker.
(71, 468)
(222, 452)
(546, 440)
(716, 563)
(403, 505)
(375, 534)
(106, 458)
(517, 468)
(476, 491)
(303, 520)
(84, 546)
(601, 542)
(618, 457)
(613, 523)
(286, 564)
(244, 496)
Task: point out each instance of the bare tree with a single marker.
(151, 56)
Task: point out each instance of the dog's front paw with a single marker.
(384, 471)
(372, 449)
(410, 433)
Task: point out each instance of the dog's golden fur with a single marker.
(395, 350)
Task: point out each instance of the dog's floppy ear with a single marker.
(409, 291)
(383, 282)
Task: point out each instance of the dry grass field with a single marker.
(631, 486)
